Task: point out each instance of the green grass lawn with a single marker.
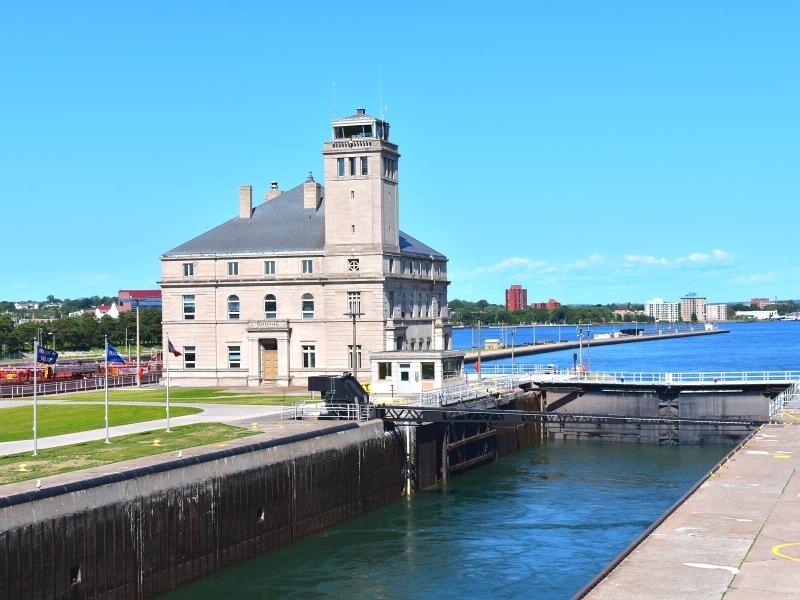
(17, 423)
(52, 461)
(178, 395)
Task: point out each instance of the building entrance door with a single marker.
(405, 384)
(269, 359)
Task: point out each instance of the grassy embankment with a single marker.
(52, 461)
(199, 395)
(17, 423)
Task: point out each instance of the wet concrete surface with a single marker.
(736, 537)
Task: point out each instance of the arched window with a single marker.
(233, 307)
(308, 306)
(270, 307)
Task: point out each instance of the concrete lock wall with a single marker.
(683, 404)
(138, 537)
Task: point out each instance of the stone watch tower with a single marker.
(361, 204)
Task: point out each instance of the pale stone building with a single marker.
(717, 311)
(663, 311)
(692, 304)
(269, 296)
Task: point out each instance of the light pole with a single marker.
(127, 347)
(479, 349)
(353, 313)
(513, 331)
(39, 335)
(53, 333)
(138, 349)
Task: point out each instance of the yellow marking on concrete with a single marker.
(778, 551)
(781, 456)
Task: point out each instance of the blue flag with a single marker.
(47, 356)
(114, 356)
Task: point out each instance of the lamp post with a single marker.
(353, 313)
(127, 348)
(53, 333)
(513, 331)
(138, 348)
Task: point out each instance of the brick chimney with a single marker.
(312, 193)
(273, 192)
(245, 201)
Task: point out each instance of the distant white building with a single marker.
(26, 305)
(663, 311)
(717, 311)
(106, 310)
(759, 315)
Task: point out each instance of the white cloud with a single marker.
(715, 256)
(767, 277)
(645, 260)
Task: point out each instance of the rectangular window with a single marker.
(350, 356)
(428, 371)
(386, 168)
(188, 307)
(234, 357)
(340, 167)
(352, 163)
(391, 265)
(308, 266)
(451, 367)
(384, 370)
(269, 267)
(189, 355)
(188, 269)
(233, 268)
(364, 165)
(309, 356)
(354, 302)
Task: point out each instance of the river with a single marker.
(539, 524)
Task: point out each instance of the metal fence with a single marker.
(788, 398)
(78, 385)
(341, 412)
(547, 373)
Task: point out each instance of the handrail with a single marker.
(70, 386)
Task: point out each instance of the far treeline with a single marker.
(468, 313)
(81, 333)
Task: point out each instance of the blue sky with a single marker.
(591, 151)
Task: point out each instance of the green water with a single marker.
(539, 524)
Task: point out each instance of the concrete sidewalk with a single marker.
(212, 413)
(737, 537)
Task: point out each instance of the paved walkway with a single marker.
(737, 537)
(216, 413)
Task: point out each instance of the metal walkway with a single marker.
(415, 415)
(499, 380)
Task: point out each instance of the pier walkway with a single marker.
(509, 351)
(736, 537)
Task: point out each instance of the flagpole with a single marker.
(166, 368)
(35, 396)
(105, 389)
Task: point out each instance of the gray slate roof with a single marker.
(279, 225)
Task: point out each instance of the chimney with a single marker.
(312, 193)
(245, 201)
(273, 192)
(360, 111)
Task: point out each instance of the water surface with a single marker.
(539, 524)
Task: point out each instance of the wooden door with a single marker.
(269, 360)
